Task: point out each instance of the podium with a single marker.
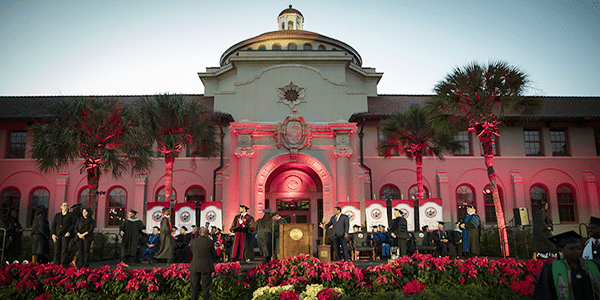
(295, 239)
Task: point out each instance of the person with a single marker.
(152, 244)
(591, 248)
(264, 235)
(130, 231)
(194, 233)
(40, 236)
(456, 236)
(202, 266)
(399, 231)
(84, 229)
(471, 232)
(427, 237)
(341, 227)
(277, 219)
(570, 276)
(167, 243)
(243, 227)
(14, 231)
(182, 245)
(352, 237)
(542, 230)
(444, 243)
(217, 237)
(75, 215)
(61, 234)
(382, 242)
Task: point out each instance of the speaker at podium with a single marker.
(521, 215)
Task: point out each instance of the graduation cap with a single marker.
(565, 238)
(268, 210)
(441, 223)
(184, 228)
(424, 228)
(133, 211)
(165, 209)
(76, 206)
(594, 221)
(275, 214)
(244, 206)
(356, 226)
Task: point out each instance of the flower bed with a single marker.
(299, 277)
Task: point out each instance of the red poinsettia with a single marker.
(414, 286)
(327, 293)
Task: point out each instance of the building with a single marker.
(300, 120)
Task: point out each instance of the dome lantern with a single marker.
(290, 19)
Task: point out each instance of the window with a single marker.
(597, 139)
(10, 200)
(160, 196)
(490, 209)
(414, 191)
(39, 198)
(566, 204)
(262, 48)
(494, 147)
(558, 140)
(537, 195)
(464, 139)
(321, 48)
(382, 140)
(533, 145)
(16, 148)
(117, 205)
(390, 192)
(84, 199)
(276, 47)
(290, 25)
(282, 25)
(292, 46)
(307, 47)
(464, 198)
(195, 194)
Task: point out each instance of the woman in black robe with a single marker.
(167, 243)
(40, 236)
(542, 230)
(14, 231)
(84, 228)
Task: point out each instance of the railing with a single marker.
(519, 240)
(106, 246)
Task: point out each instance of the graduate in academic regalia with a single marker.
(264, 235)
(243, 227)
(591, 248)
(570, 276)
(399, 231)
(152, 244)
(130, 231)
(542, 230)
(471, 232)
(84, 230)
(182, 245)
(167, 243)
(443, 241)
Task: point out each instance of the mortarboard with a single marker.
(594, 221)
(133, 211)
(184, 228)
(76, 206)
(565, 238)
(244, 206)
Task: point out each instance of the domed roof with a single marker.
(290, 10)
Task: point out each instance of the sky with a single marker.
(148, 47)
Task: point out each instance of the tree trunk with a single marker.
(421, 193)
(93, 179)
(489, 163)
(169, 161)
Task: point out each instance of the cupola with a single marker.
(290, 19)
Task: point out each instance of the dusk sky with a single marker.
(148, 47)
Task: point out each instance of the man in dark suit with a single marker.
(400, 231)
(202, 265)
(341, 226)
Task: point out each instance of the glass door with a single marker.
(294, 210)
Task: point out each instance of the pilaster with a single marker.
(443, 190)
(591, 189)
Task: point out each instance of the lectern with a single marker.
(295, 239)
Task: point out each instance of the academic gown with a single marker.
(471, 235)
(132, 230)
(593, 249)
(243, 245)
(541, 222)
(581, 287)
(167, 243)
(445, 249)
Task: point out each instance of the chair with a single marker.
(363, 245)
(419, 243)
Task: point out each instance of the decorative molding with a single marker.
(243, 152)
(291, 95)
(345, 151)
(441, 176)
(63, 178)
(293, 133)
(515, 176)
(588, 176)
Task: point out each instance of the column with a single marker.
(448, 205)
(244, 153)
(62, 186)
(139, 198)
(342, 151)
(591, 188)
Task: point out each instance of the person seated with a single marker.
(427, 238)
(444, 244)
(456, 237)
(381, 241)
(182, 246)
(352, 242)
(152, 244)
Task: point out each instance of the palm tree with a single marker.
(101, 132)
(473, 97)
(173, 122)
(410, 134)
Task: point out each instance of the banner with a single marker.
(430, 213)
(185, 215)
(376, 213)
(154, 214)
(352, 210)
(406, 207)
(211, 214)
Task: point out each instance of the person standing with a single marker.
(264, 235)
(130, 231)
(40, 236)
(84, 228)
(542, 230)
(202, 266)
(61, 234)
(591, 249)
(243, 227)
(277, 219)
(471, 232)
(75, 215)
(399, 231)
(167, 243)
(14, 231)
(341, 227)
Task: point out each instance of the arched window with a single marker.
(249, 49)
(307, 47)
(117, 206)
(10, 200)
(292, 46)
(414, 191)
(276, 47)
(39, 198)
(321, 48)
(282, 25)
(490, 210)
(464, 198)
(262, 48)
(390, 191)
(290, 25)
(195, 194)
(160, 196)
(566, 204)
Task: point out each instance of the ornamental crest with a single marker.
(293, 133)
(291, 94)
